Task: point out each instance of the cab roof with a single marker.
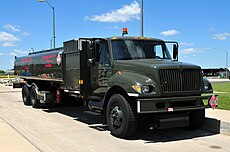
(134, 38)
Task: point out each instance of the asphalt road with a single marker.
(71, 129)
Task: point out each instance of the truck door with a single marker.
(101, 70)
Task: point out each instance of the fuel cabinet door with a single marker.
(76, 71)
(71, 65)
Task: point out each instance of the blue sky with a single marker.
(201, 27)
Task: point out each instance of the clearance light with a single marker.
(137, 88)
(80, 82)
(125, 31)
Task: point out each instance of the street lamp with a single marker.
(54, 36)
(226, 64)
(141, 19)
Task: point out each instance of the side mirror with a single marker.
(175, 52)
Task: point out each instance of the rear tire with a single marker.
(33, 97)
(120, 117)
(196, 118)
(26, 95)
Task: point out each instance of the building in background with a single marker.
(216, 72)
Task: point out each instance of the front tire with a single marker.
(34, 98)
(120, 117)
(196, 118)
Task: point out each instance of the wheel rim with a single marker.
(116, 116)
(24, 95)
(32, 97)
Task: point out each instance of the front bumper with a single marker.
(170, 104)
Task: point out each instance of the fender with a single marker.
(126, 80)
(207, 86)
(29, 86)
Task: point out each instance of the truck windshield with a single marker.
(139, 49)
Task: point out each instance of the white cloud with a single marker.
(26, 33)
(188, 51)
(186, 44)
(1, 53)
(113, 27)
(221, 36)
(14, 54)
(194, 50)
(169, 33)
(7, 44)
(124, 14)
(20, 51)
(12, 28)
(7, 37)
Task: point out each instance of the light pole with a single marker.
(226, 64)
(141, 19)
(54, 35)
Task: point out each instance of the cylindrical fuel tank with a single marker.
(44, 64)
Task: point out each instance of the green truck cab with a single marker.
(130, 80)
(133, 77)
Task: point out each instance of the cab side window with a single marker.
(103, 55)
(159, 51)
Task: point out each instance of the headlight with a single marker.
(142, 89)
(206, 87)
(145, 89)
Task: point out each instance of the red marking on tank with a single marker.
(52, 56)
(48, 65)
(26, 60)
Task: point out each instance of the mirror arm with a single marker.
(90, 62)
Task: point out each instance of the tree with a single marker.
(2, 72)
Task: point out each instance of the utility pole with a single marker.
(141, 19)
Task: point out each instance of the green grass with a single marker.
(223, 91)
(6, 76)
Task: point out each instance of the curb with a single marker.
(216, 126)
(37, 143)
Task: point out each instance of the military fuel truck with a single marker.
(129, 80)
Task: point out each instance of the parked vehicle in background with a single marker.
(4, 80)
(1, 80)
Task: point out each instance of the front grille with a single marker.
(175, 80)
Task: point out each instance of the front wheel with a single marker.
(196, 118)
(120, 117)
